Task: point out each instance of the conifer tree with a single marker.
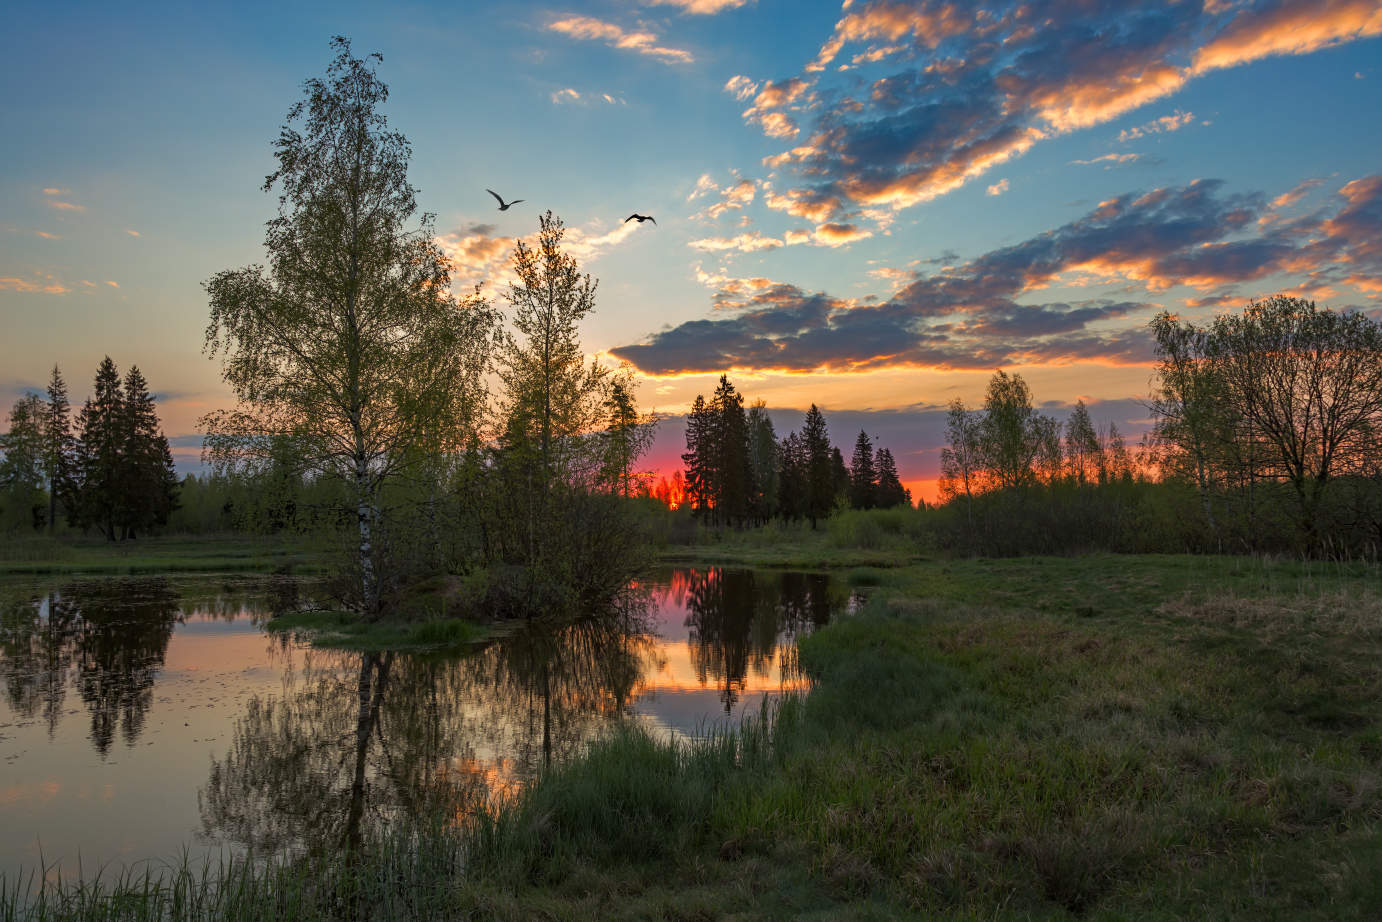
(100, 452)
(148, 482)
(627, 436)
(699, 482)
(820, 469)
(891, 492)
(59, 448)
(763, 463)
(733, 476)
(21, 467)
(792, 481)
(863, 480)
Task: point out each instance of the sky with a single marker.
(870, 207)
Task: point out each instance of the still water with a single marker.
(142, 719)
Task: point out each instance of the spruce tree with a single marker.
(820, 472)
(699, 486)
(99, 453)
(863, 480)
(59, 449)
(21, 467)
(148, 480)
(891, 492)
(763, 462)
(792, 486)
(733, 476)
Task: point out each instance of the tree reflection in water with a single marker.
(358, 740)
(739, 620)
(107, 638)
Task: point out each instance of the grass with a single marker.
(164, 554)
(1077, 738)
(345, 631)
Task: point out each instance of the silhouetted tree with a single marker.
(148, 482)
(793, 486)
(698, 459)
(59, 449)
(863, 479)
(890, 492)
(820, 467)
(100, 453)
(1083, 454)
(733, 476)
(627, 436)
(763, 463)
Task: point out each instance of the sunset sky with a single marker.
(870, 208)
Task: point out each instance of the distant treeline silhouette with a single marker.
(114, 474)
(738, 473)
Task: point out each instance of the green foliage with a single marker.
(350, 347)
(22, 498)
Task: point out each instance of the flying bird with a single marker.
(641, 218)
(502, 205)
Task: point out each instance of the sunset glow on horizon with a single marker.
(869, 207)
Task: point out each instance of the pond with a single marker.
(148, 718)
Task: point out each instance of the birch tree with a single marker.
(349, 344)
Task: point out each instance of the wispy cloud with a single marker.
(741, 87)
(132, 233)
(566, 95)
(699, 7)
(1109, 160)
(588, 28)
(66, 206)
(40, 283)
(998, 188)
(1174, 122)
(54, 190)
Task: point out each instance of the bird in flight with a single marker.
(502, 205)
(641, 218)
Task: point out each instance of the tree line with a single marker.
(1266, 436)
(738, 473)
(113, 473)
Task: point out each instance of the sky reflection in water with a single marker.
(142, 716)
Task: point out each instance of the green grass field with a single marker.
(164, 554)
(1096, 737)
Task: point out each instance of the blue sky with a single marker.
(870, 208)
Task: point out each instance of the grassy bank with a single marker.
(1095, 737)
(164, 554)
(345, 631)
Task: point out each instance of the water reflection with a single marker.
(107, 639)
(743, 621)
(313, 749)
(360, 739)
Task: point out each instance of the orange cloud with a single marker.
(699, 7)
(1173, 122)
(998, 188)
(66, 206)
(45, 284)
(645, 43)
(834, 235)
(1298, 27)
